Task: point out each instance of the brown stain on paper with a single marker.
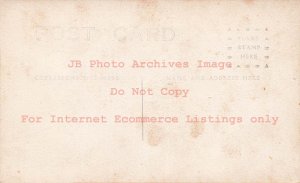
(249, 2)
(147, 10)
(154, 135)
(197, 129)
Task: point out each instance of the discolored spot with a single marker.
(147, 10)
(154, 135)
(197, 129)
(81, 8)
(225, 107)
(249, 2)
(231, 151)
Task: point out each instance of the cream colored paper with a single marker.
(204, 61)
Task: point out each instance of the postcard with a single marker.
(141, 91)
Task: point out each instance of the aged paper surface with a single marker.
(150, 91)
